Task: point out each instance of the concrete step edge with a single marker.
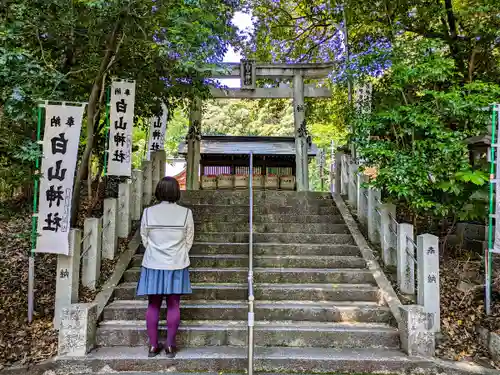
(320, 287)
(261, 304)
(271, 269)
(215, 325)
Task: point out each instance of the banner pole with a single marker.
(34, 223)
(106, 143)
(488, 258)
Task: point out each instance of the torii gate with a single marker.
(248, 71)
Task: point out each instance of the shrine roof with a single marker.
(242, 145)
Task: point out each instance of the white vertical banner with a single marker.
(120, 128)
(496, 245)
(61, 138)
(157, 131)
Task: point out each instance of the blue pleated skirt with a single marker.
(163, 282)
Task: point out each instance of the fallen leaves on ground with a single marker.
(461, 311)
(22, 343)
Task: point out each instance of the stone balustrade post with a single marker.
(91, 252)
(137, 193)
(352, 194)
(68, 276)
(373, 217)
(405, 259)
(428, 279)
(362, 192)
(338, 172)
(416, 339)
(78, 329)
(344, 188)
(109, 228)
(124, 219)
(148, 183)
(162, 156)
(387, 213)
(155, 163)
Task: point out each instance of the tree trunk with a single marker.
(92, 111)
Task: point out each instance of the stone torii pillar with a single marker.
(193, 139)
(301, 135)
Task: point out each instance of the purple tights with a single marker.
(173, 318)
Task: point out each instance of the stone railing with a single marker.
(99, 240)
(416, 262)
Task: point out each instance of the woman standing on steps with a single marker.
(167, 232)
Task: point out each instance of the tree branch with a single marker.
(451, 19)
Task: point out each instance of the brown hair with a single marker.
(168, 190)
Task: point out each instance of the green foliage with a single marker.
(248, 117)
(62, 50)
(415, 137)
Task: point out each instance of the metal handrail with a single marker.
(251, 315)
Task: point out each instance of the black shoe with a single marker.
(171, 351)
(154, 351)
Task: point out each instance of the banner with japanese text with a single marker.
(158, 128)
(120, 128)
(61, 138)
(496, 245)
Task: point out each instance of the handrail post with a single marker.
(251, 316)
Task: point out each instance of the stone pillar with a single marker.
(109, 223)
(301, 134)
(68, 276)
(416, 339)
(137, 193)
(163, 163)
(91, 264)
(148, 183)
(78, 329)
(353, 185)
(155, 167)
(387, 210)
(345, 175)
(193, 139)
(373, 217)
(124, 219)
(428, 279)
(338, 172)
(362, 193)
(405, 266)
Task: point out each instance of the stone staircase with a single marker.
(317, 308)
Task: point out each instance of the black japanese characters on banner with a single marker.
(120, 132)
(157, 132)
(60, 147)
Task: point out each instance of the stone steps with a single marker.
(272, 275)
(285, 261)
(276, 249)
(314, 228)
(224, 359)
(232, 209)
(270, 218)
(313, 311)
(259, 197)
(257, 194)
(317, 306)
(240, 237)
(273, 292)
(275, 333)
